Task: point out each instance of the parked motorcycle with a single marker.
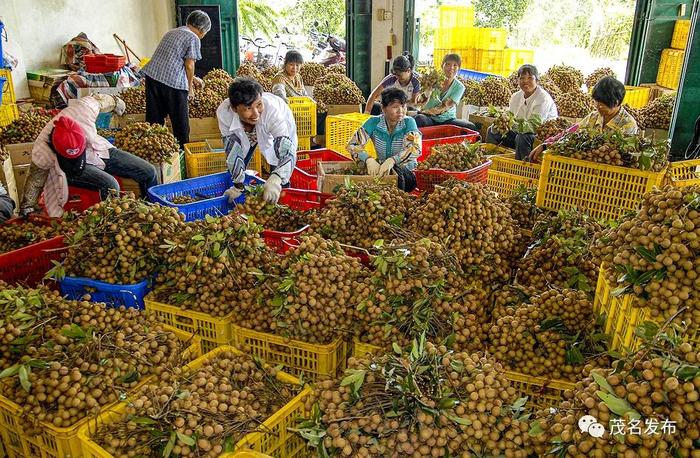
(328, 49)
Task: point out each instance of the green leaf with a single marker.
(535, 429)
(183, 394)
(459, 420)
(170, 445)
(10, 371)
(447, 403)
(24, 372)
(143, 421)
(185, 438)
(646, 254)
(74, 332)
(396, 347)
(647, 330)
(457, 366)
(519, 403)
(356, 378)
(602, 382)
(378, 243)
(228, 444)
(397, 220)
(618, 406)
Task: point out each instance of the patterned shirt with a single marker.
(284, 86)
(403, 144)
(622, 122)
(84, 111)
(411, 89)
(168, 62)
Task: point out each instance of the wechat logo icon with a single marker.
(589, 424)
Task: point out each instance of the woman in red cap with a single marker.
(68, 151)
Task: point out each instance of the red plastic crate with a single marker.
(302, 199)
(428, 179)
(29, 264)
(303, 180)
(282, 241)
(304, 174)
(103, 63)
(79, 199)
(443, 135)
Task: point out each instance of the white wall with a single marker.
(382, 33)
(37, 29)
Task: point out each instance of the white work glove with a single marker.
(119, 106)
(105, 101)
(272, 189)
(385, 168)
(372, 167)
(233, 193)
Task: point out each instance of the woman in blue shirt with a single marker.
(396, 139)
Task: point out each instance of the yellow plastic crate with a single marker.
(685, 173)
(541, 391)
(213, 331)
(507, 173)
(513, 59)
(207, 157)
(622, 317)
(491, 39)
(8, 113)
(339, 129)
(8, 90)
(311, 360)
(277, 440)
(304, 144)
(603, 191)
(244, 454)
(304, 111)
(360, 349)
(637, 96)
(468, 56)
(451, 16)
(458, 38)
(56, 442)
(681, 31)
(670, 67)
(489, 61)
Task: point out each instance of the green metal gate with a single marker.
(358, 26)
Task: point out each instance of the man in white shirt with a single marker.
(251, 118)
(529, 101)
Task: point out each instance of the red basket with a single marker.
(103, 63)
(282, 241)
(303, 180)
(302, 200)
(304, 174)
(29, 264)
(79, 199)
(443, 135)
(427, 179)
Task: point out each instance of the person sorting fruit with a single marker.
(608, 94)
(530, 103)
(440, 106)
(69, 151)
(402, 77)
(288, 82)
(7, 205)
(251, 118)
(396, 139)
(170, 80)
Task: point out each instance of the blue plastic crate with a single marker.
(2, 32)
(103, 120)
(130, 296)
(473, 75)
(212, 186)
(2, 84)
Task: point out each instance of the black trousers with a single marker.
(163, 100)
(522, 143)
(426, 121)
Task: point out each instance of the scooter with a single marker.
(328, 49)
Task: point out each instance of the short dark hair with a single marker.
(393, 94)
(528, 69)
(199, 20)
(609, 91)
(244, 91)
(403, 63)
(452, 58)
(293, 57)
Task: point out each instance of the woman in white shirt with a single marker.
(249, 118)
(529, 101)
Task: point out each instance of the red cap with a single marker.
(68, 138)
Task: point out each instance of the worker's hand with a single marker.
(233, 193)
(106, 102)
(119, 106)
(536, 153)
(198, 83)
(190, 95)
(372, 167)
(272, 189)
(385, 168)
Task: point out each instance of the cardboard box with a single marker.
(7, 178)
(203, 128)
(484, 121)
(21, 172)
(656, 91)
(327, 181)
(20, 153)
(129, 185)
(42, 81)
(169, 171)
(341, 109)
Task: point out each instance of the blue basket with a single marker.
(2, 60)
(212, 186)
(2, 84)
(103, 120)
(130, 296)
(473, 75)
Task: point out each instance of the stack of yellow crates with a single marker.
(481, 48)
(8, 108)
(671, 63)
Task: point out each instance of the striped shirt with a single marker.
(403, 144)
(168, 62)
(411, 89)
(84, 111)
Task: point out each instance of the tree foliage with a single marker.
(499, 13)
(256, 16)
(305, 12)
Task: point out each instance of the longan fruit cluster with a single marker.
(152, 142)
(274, 217)
(457, 157)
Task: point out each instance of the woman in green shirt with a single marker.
(441, 106)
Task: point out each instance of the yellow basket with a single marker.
(207, 157)
(277, 440)
(451, 16)
(603, 191)
(636, 96)
(56, 442)
(685, 173)
(681, 31)
(492, 39)
(458, 38)
(489, 61)
(304, 144)
(8, 90)
(213, 331)
(622, 318)
(468, 56)
(541, 391)
(304, 111)
(513, 59)
(507, 173)
(360, 349)
(244, 454)
(339, 129)
(8, 113)
(670, 68)
(311, 360)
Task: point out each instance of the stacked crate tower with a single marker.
(671, 63)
